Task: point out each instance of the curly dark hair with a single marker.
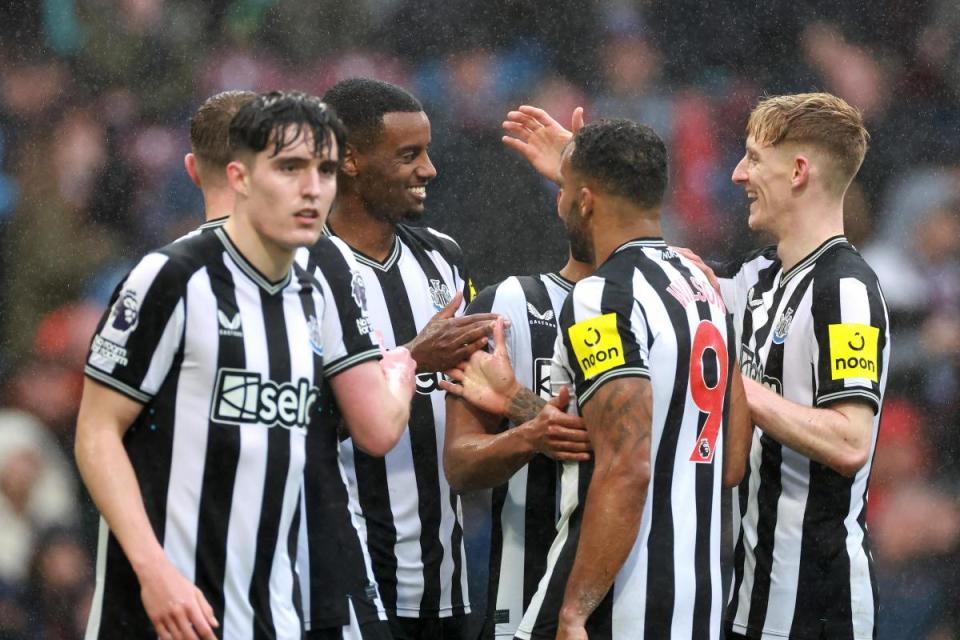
(624, 158)
(361, 104)
(279, 118)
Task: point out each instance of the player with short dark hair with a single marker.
(415, 288)
(644, 343)
(202, 383)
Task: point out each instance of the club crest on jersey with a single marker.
(244, 397)
(316, 338)
(126, 311)
(783, 326)
(229, 326)
(439, 294)
(597, 344)
(535, 317)
(853, 351)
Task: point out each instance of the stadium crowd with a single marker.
(95, 97)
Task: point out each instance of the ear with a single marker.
(238, 176)
(190, 164)
(349, 165)
(801, 171)
(587, 202)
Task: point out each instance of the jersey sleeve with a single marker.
(141, 331)
(346, 332)
(737, 277)
(850, 339)
(503, 300)
(604, 335)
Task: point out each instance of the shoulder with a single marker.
(430, 239)
(844, 261)
(756, 259)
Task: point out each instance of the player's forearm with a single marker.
(109, 477)
(739, 434)
(378, 426)
(611, 521)
(523, 405)
(822, 434)
(484, 461)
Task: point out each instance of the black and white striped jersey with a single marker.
(648, 312)
(525, 510)
(333, 563)
(411, 518)
(229, 368)
(815, 334)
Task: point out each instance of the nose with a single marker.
(426, 170)
(310, 184)
(739, 172)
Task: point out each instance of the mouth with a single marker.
(307, 214)
(419, 192)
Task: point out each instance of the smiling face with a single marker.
(392, 175)
(289, 194)
(765, 173)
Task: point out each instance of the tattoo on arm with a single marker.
(524, 406)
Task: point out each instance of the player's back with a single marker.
(649, 313)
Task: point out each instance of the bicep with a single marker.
(618, 418)
(102, 409)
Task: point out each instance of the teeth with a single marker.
(418, 191)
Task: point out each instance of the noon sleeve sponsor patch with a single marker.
(853, 351)
(597, 345)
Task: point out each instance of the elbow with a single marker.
(456, 471)
(380, 441)
(849, 463)
(733, 475)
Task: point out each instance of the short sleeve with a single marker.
(346, 331)
(140, 333)
(604, 334)
(850, 340)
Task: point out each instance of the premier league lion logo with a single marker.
(126, 311)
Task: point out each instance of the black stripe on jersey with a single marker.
(423, 445)
(661, 581)
(541, 491)
(275, 479)
(222, 456)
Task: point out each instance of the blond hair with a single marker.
(210, 127)
(818, 119)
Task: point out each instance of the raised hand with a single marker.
(175, 606)
(447, 341)
(557, 434)
(698, 261)
(486, 380)
(539, 138)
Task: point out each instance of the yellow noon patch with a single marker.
(597, 344)
(853, 351)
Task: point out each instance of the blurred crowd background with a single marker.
(95, 97)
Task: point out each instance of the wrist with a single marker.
(145, 562)
(510, 399)
(570, 617)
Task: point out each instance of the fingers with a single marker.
(538, 116)
(451, 308)
(576, 120)
(451, 388)
(467, 350)
(181, 623)
(562, 399)
(499, 337)
(456, 374)
(207, 612)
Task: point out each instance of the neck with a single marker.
(272, 261)
(356, 226)
(622, 226)
(218, 202)
(575, 271)
(806, 231)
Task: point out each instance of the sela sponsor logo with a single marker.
(752, 367)
(597, 344)
(689, 291)
(244, 397)
(439, 294)
(535, 317)
(126, 311)
(853, 351)
(229, 326)
(427, 383)
(541, 377)
(316, 337)
(109, 350)
(783, 326)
